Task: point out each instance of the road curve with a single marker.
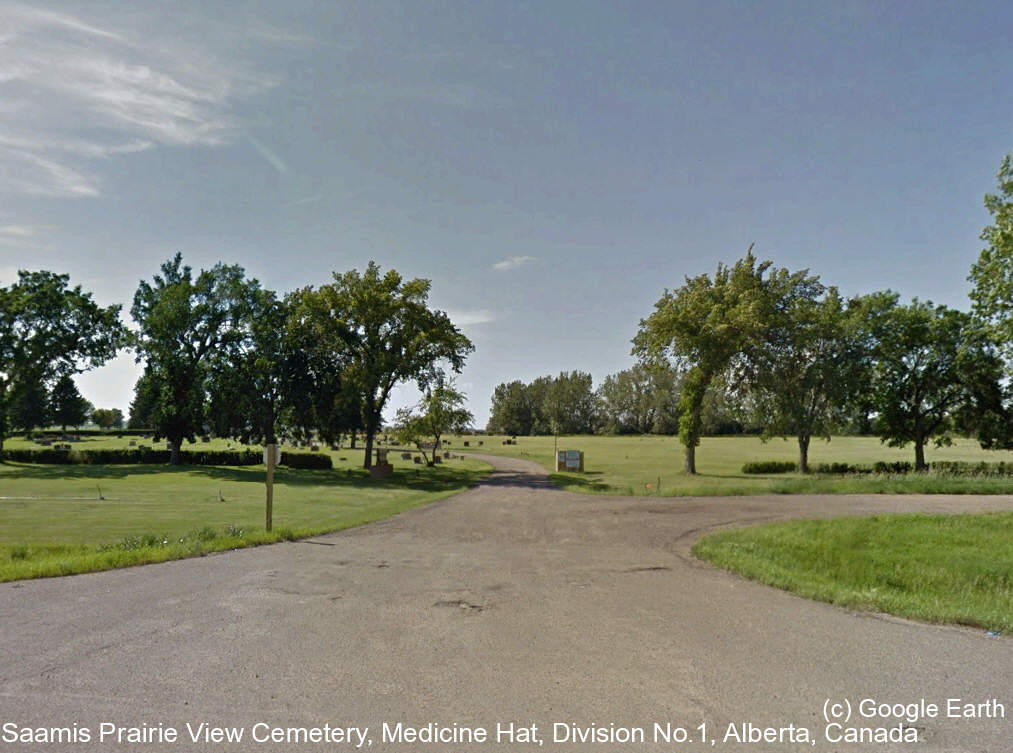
(511, 602)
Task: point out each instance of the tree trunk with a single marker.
(920, 455)
(352, 445)
(690, 467)
(370, 432)
(174, 451)
(803, 454)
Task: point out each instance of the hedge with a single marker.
(148, 456)
(770, 466)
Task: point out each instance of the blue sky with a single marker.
(550, 166)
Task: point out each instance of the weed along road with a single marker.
(514, 613)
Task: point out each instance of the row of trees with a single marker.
(224, 355)
(802, 358)
(33, 405)
(763, 349)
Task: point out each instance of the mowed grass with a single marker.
(57, 520)
(652, 465)
(937, 568)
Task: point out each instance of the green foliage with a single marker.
(307, 460)
(440, 411)
(67, 406)
(389, 334)
(930, 362)
(512, 410)
(183, 322)
(640, 400)
(769, 466)
(705, 324)
(29, 404)
(992, 274)
(149, 456)
(107, 418)
(47, 330)
(803, 372)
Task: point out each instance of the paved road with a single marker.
(512, 602)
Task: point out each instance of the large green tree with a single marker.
(390, 335)
(68, 407)
(47, 329)
(805, 368)
(183, 321)
(931, 363)
(704, 325)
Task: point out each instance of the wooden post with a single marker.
(270, 450)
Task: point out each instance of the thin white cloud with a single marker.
(465, 318)
(73, 92)
(512, 262)
(272, 159)
(18, 231)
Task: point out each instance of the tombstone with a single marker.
(315, 448)
(467, 444)
(446, 456)
(480, 443)
(343, 459)
(406, 456)
(417, 460)
(437, 459)
(205, 439)
(335, 447)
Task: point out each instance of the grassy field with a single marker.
(652, 465)
(953, 569)
(56, 520)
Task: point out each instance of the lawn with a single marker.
(936, 568)
(652, 465)
(57, 519)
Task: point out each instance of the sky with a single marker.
(552, 167)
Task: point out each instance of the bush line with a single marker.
(942, 467)
(148, 456)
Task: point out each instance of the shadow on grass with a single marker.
(443, 478)
(580, 482)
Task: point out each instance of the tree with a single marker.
(570, 403)
(992, 274)
(705, 324)
(512, 412)
(183, 320)
(804, 369)
(106, 418)
(48, 329)
(248, 376)
(387, 331)
(29, 404)
(640, 400)
(931, 362)
(440, 411)
(142, 407)
(67, 406)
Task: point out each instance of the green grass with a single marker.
(936, 568)
(53, 522)
(639, 465)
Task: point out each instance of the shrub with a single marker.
(770, 466)
(48, 455)
(135, 456)
(306, 460)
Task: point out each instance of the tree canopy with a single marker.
(382, 324)
(49, 329)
